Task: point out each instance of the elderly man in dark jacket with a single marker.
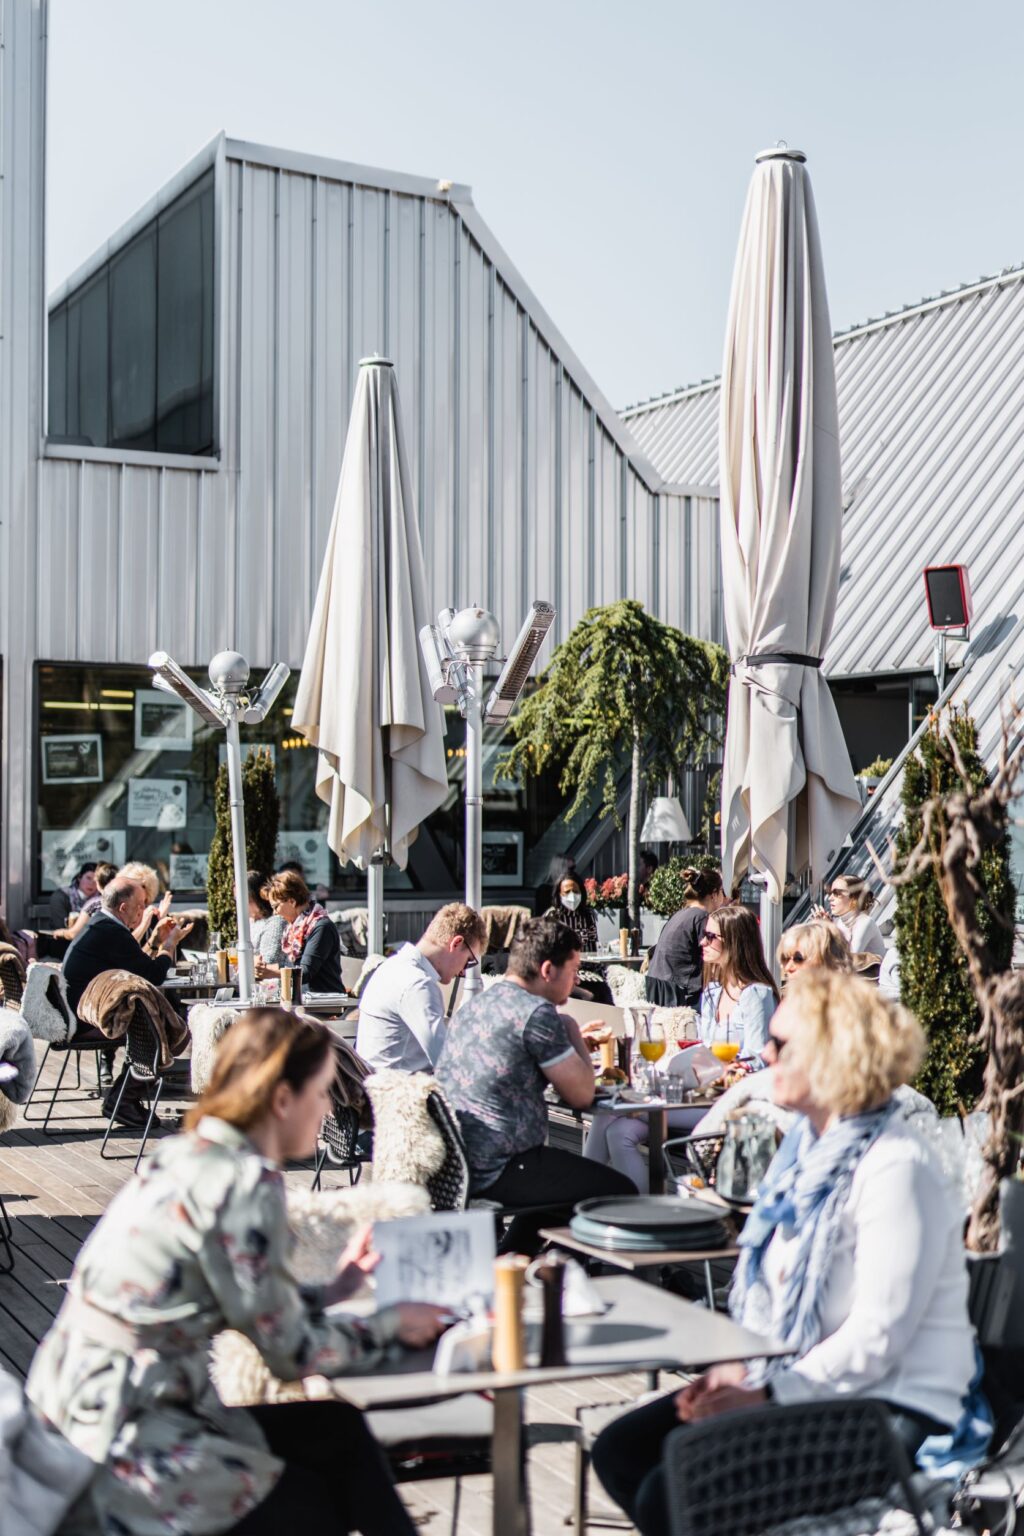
(107, 943)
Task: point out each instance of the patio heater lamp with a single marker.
(228, 701)
(455, 650)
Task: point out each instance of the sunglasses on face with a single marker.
(796, 958)
(711, 938)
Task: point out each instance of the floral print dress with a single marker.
(198, 1242)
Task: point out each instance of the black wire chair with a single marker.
(72, 1047)
(692, 1158)
(339, 1135)
(141, 1065)
(6, 1240)
(448, 1188)
(742, 1473)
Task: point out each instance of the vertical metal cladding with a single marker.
(523, 474)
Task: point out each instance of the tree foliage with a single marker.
(622, 691)
(934, 978)
(262, 817)
(665, 891)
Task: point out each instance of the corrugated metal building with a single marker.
(528, 482)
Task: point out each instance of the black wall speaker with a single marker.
(949, 596)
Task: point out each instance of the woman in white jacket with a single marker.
(852, 1257)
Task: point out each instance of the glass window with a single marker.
(132, 351)
(133, 345)
(58, 372)
(184, 407)
(126, 772)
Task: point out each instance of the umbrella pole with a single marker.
(375, 906)
(234, 753)
(771, 930)
(473, 981)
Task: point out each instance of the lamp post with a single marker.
(455, 651)
(229, 701)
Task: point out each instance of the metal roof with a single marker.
(931, 413)
(984, 686)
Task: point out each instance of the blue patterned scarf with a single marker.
(803, 1193)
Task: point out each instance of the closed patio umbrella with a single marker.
(788, 790)
(363, 697)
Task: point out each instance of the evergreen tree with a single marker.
(623, 691)
(934, 981)
(262, 817)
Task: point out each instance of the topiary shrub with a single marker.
(933, 972)
(665, 891)
(262, 817)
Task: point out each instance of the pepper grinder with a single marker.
(551, 1274)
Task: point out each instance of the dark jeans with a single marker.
(552, 1179)
(335, 1477)
(627, 1458)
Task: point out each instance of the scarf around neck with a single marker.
(298, 931)
(803, 1194)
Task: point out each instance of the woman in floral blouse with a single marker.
(197, 1243)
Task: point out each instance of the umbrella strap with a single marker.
(776, 658)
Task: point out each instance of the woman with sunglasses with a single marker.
(860, 1315)
(738, 1005)
(850, 901)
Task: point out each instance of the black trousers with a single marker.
(627, 1458)
(335, 1478)
(556, 1180)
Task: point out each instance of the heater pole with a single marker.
(234, 754)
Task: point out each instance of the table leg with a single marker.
(508, 1466)
(657, 1122)
(709, 1284)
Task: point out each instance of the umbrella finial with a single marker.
(780, 150)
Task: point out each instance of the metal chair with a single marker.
(49, 1000)
(799, 1459)
(12, 975)
(691, 1158)
(448, 1188)
(6, 1240)
(339, 1135)
(142, 1064)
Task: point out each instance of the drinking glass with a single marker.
(651, 1045)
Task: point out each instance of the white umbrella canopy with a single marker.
(363, 696)
(788, 791)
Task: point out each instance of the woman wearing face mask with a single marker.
(569, 905)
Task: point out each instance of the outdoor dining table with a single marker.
(631, 1259)
(645, 1329)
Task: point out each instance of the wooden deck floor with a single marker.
(55, 1189)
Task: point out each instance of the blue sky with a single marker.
(608, 145)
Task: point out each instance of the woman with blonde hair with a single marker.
(196, 1243)
(816, 944)
(859, 1313)
(850, 901)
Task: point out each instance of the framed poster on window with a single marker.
(64, 852)
(160, 803)
(308, 849)
(502, 857)
(162, 722)
(72, 759)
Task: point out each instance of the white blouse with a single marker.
(894, 1314)
(863, 933)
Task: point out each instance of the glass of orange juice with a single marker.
(725, 1050)
(651, 1045)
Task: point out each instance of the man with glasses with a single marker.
(401, 1012)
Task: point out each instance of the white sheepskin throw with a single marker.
(407, 1145)
(322, 1223)
(207, 1026)
(678, 1023)
(8, 1113)
(627, 984)
(44, 1005)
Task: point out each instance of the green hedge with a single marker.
(933, 972)
(262, 817)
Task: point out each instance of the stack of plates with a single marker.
(650, 1224)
